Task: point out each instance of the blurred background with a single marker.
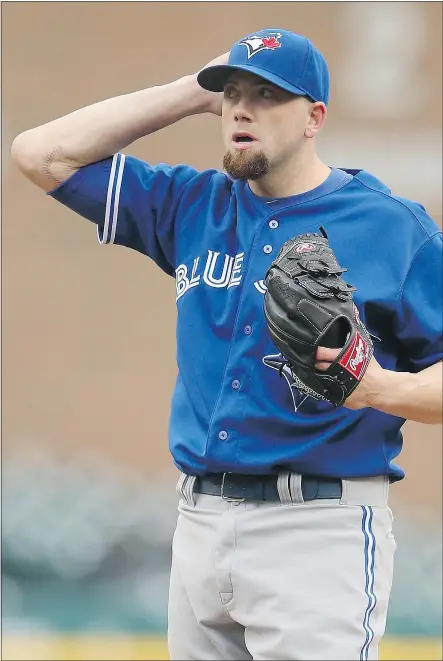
(88, 486)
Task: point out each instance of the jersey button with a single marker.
(267, 249)
(248, 330)
(236, 384)
(223, 435)
(273, 224)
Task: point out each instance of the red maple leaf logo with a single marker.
(271, 42)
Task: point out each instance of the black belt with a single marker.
(263, 487)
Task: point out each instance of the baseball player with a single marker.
(284, 546)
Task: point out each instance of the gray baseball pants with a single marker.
(284, 580)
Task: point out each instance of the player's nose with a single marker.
(243, 111)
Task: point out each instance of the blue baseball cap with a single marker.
(283, 58)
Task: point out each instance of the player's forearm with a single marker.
(416, 397)
(50, 153)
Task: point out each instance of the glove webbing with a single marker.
(315, 266)
(326, 287)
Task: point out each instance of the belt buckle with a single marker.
(222, 492)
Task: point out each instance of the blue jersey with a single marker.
(235, 406)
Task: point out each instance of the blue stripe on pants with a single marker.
(369, 573)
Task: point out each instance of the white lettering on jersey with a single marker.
(182, 282)
(195, 279)
(260, 286)
(208, 274)
(236, 270)
(230, 275)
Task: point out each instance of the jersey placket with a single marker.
(231, 405)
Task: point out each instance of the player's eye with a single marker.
(266, 92)
(230, 91)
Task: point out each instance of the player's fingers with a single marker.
(325, 354)
(321, 366)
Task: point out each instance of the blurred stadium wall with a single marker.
(88, 485)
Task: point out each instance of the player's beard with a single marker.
(240, 164)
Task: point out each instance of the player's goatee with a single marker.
(241, 165)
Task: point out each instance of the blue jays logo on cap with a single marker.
(288, 60)
(255, 44)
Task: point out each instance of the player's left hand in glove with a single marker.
(307, 305)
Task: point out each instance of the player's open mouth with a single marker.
(243, 140)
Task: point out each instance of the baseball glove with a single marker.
(308, 304)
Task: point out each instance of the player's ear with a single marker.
(316, 116)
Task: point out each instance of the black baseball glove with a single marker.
(308, 304)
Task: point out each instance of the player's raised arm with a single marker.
(51, 153)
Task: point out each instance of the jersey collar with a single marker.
(336, 179)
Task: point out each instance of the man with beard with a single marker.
(284, 546)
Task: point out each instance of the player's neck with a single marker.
(291, 180)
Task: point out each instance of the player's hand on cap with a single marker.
(371, 383)
(219, 60)
(214, 99)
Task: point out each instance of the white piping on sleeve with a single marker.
(108, 233)
(117, 197)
